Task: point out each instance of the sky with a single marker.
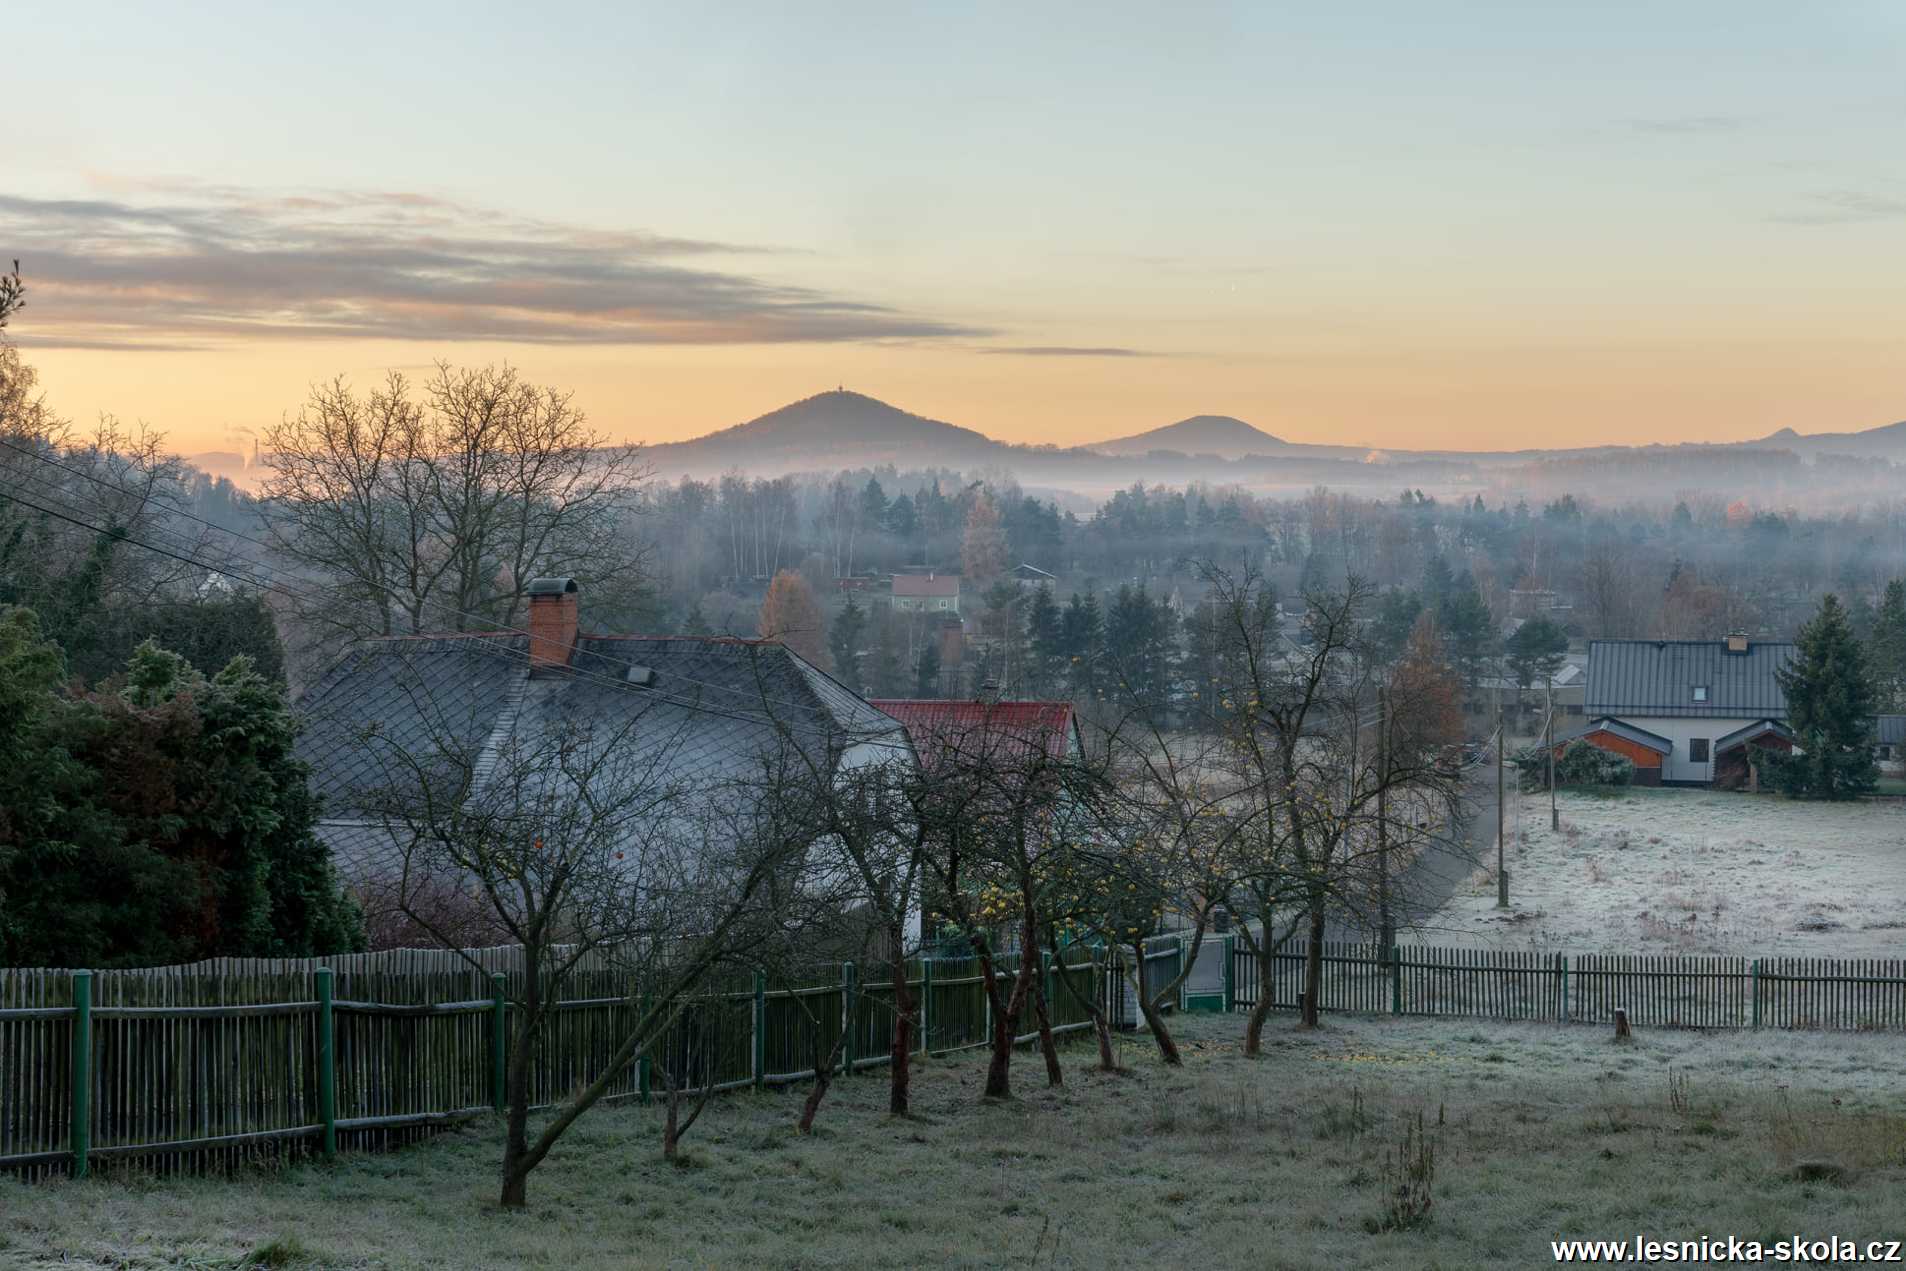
(1475, 225)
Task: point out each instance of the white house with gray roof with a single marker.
(1690, 706)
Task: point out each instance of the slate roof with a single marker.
(707, 714)
(1657, 677)
(1627, 732)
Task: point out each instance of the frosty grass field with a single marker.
(1539, 1131)
(1692, 871)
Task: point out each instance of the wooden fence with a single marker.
(1666, 991)
(195, 1068)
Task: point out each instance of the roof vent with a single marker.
(641, 676)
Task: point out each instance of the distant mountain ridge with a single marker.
(1221, 435)
(845, 429)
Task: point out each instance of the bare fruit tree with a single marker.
(583, 839)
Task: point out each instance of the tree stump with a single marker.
(1621, 1024)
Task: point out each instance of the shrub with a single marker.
(1580, 764)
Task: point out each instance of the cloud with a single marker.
(1839, 207)
(1067, 350)
(198, 265)
(1690, 124)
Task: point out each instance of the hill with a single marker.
(1200, 435)
(839, 429)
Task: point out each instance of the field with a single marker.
(1538, 1131)
(1693, 871)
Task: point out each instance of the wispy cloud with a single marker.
(1690, 124)
(1068, 350)
(194, 266)
(1838, 207)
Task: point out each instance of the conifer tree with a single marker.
(1830, 708)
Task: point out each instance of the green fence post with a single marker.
(644, 1066)
(926, 1003)
(760, 1030)
(498, 1039)
(327, 1081)
(848, 992)
(1230, 973)
(1756, 991)
(1396, 980)
(82, 1124)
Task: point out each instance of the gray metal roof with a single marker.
(1759, 728)
(1658, 677)
(709, 712)
(1889, 730)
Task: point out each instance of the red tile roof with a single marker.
(936, 726)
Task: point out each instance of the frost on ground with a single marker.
(1692, 871)
(1539, 1132)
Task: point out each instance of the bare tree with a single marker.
(582, 839)
(436, 509)
(1312, 761)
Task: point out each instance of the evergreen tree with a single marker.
(695, 622)
(1045, 639)
(846, 641)
(1830, 708)
(1467, 626)
(1082, 635)
(1535, 652)
(884, 678)
(1395, 619)
(1886, 653)
(926, 671)
(165, 820)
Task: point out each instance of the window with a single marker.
(1700, 692)
(1697, 750)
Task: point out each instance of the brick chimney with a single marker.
(552, 621)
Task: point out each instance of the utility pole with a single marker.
(1502, 753)
(1555, 818)
(1386, 928)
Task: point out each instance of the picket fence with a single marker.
(200, 1067)
(1665, 991)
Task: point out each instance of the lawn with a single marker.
(1692, 871)
(1538, 1131)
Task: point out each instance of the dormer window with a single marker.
(1700, 692)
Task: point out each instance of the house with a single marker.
(1032, 578)
(1685, 711)
(692, 717)
(1493, 692)
(926, 593)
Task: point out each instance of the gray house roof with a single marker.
(1658, 677)
(1749, 732)
(697, 714)
(1889, 730)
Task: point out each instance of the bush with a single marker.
(1581, 764)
